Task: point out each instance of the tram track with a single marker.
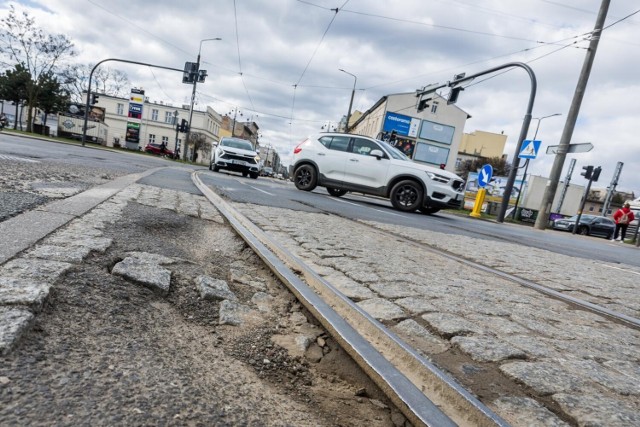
(444, 392)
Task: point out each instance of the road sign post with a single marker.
(484, 176)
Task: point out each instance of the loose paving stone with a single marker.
(523, 411)
(99, 244)
(598, 410)
(233, 313)
(485, 348)
(382, 309)
(24, 292)
(59, 253)
(14, 321)
(214, 289)
(37, 270)
(151, 275)
(263, 301)
(153, 258)
(244, 279)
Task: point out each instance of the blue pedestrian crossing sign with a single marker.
(529, 149)
(484, 176)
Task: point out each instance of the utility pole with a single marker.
(612, 188)
(565, 187)
(353, 91)
(550, 191)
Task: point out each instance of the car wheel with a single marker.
(406, 196)
(254, 175)
(245, 174)
(215, 168)
(210, 166)
(583, 230)
(336, 192)
(305, 178)
(428, 210)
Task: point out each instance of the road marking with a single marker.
(255, 188)
(17, 159)
(622, 269)
(360, 206)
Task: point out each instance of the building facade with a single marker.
(157, 125)
(431, 136)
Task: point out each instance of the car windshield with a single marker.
(393, 151)
(237, 143)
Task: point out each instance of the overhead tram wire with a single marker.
(240, 72)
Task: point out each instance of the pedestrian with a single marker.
(622, 217)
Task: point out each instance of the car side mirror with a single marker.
(377, 154)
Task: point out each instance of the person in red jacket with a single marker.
(622, 217)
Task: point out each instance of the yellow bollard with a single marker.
(477, 206)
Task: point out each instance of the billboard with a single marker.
(403, 125)
(133, 133)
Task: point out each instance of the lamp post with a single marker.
(193, 97)
(526, 164)
(353, 91)
(235, 112)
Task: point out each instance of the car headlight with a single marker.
(438, 178)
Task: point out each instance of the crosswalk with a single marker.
(17, 159)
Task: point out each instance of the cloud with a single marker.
(393, 46)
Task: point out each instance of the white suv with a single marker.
(236, 155)
(344, 162)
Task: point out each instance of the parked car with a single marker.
(160, 150)
(590, 225)
(236, 155)
(266, 171)
(344, 162)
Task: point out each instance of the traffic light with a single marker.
(184, 126)
(202, 74)
(453, 96)
(596, 174)
(94, 98)
(587, 172)
(423, 104)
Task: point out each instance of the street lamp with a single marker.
(526, 164)
(355, 79)
(193, 96)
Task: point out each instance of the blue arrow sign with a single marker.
(484, 176)
(529, 149)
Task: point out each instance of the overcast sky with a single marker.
(278, 62)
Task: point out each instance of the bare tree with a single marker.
(105, 80)
(21, 41)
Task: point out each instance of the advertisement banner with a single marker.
(401, 124)
(133, 133)
(135, 111)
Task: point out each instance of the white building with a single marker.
(157, 125)
(431, 136)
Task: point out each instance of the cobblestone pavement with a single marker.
(149, 310)
(576, 366)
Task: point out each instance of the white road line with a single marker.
(360, 206)
(255, 188)
(17, 159)
(622, 269)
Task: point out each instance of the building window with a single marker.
(154, 115)
(168, 117)
(152, 138)
(120, 109)
(165, 140)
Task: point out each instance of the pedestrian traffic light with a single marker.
(596, 174)
(184, 126)
(587, 172)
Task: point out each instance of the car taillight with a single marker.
(298, 148)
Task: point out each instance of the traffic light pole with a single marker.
(567, 133)
(86, 109)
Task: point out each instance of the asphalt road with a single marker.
(278, 193)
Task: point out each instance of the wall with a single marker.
(535, 192)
